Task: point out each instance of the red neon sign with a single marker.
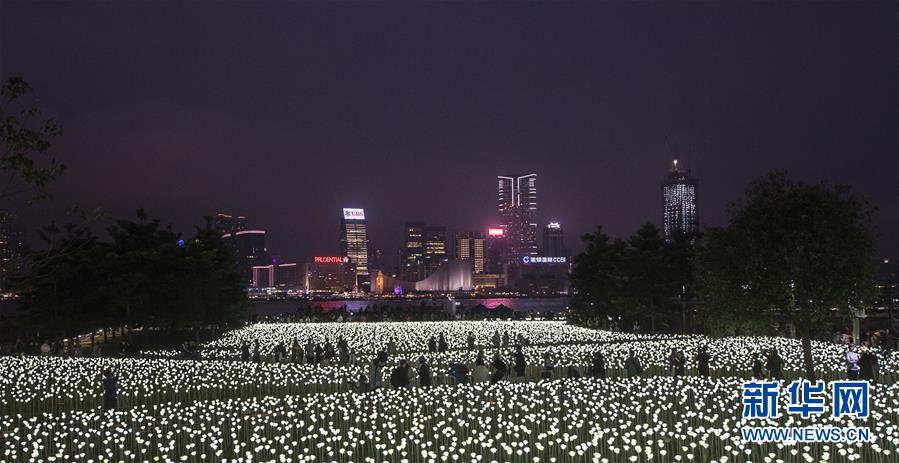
(329, 259)
(495, 232)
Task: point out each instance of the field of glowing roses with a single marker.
(229, 410)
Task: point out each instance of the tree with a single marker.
(635, 280)
(58, 287)
(158, 278)
(597, 275)
(649, 283)
(220, 285)
(791, 252)
(145, 275)
(25, 144)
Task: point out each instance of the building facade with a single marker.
(249, 251)
(412, 253)
(354, 245)
(472, 245)
(679, 198)
(496, 249)
(329, 275)
(553, 240)
(10, 248)
(434, 255)
(517, 205)
(541, 274)
(229, 223)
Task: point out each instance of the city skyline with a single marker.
(277, 126)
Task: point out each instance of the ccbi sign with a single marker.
(543, 260)
(353, 214)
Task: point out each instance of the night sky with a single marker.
(287, 112)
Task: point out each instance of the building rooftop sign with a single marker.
(330, 259)
(353, 214)
(544, 260)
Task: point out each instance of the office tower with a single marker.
(287, 276)
(496, 250)
(329, 274)
(375, 259)
(10, 248)
(412, 253)
(679, 213)
(553, 242)
(434, 253)
(228, 223)
(518, 210)
(472, 245)
(263, 276)
(354, 243)
(249, 251)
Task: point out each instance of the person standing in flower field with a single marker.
(758, 370)
(677, 361)
(598, 365)
(110, 391)
(520, 364)
(702, 359)
(424, 372)
(632, 365)
(852, 362)
(774, 365)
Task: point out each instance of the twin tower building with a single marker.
(480, 259)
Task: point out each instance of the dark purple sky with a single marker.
(286, 112)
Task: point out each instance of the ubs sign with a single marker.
(353, 214)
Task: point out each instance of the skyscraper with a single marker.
(354, 243)
(228, 223)
(412, 253)
(497, 250)
(10, 248)
(518, 210)
(434, 255)
(553, 241)
(679, 213)
(472, 245)
(249, 251)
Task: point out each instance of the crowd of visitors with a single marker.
(399, 312)
(50, 347)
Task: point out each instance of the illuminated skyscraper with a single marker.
(517, 196)
(354, 244)
(412, 253)
(10, 248)
(678, 203)
(434, 255)
(496, 250)
(249, 251)
(553, 241)
(472, 245)
(228, 223)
